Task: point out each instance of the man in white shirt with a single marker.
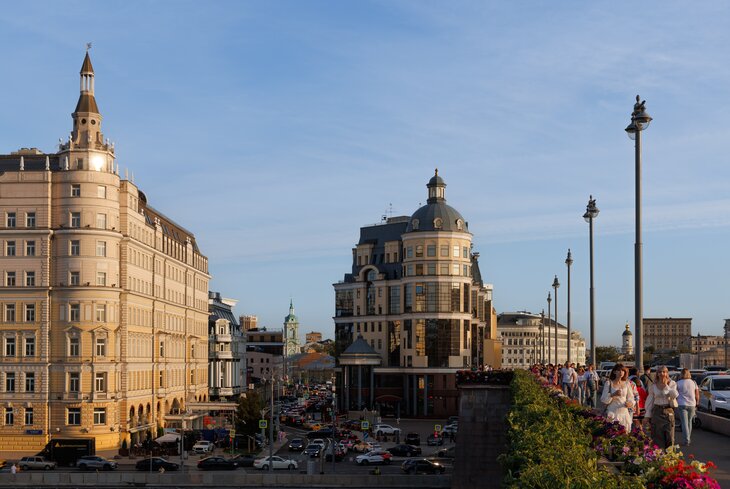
(568, 377)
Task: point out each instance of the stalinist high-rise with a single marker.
(103, 300)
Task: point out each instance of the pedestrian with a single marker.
(13, 469)
(582, 386)
(592, 385)
(646, 377)
(567, 374)
(618, 398)
(689, 395)
(660, 405)
(633, 410)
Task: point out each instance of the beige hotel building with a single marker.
(103, 300)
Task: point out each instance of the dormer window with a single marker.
(414, 224)
(438, 223)
(459, 224)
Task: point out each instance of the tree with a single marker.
(606, 354)
(248, 413)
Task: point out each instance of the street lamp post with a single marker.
(550, 357)
(589, 216)
(569, 262)
(542, 336)
(727, 329)
(556, 284)
(699, 350)
(640, 120)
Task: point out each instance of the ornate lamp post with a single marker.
(589, 216)
(569, 262)
(542, 336)
(556, 284)
(639, 121)
(550, 357)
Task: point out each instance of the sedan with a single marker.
(313, 450)
(296, 445)
(422, 466)
(275, 462)
(243, 460)
(156, 464)
(715, 394)
(217, 463)
(93, 462)
(405, 450)
(434, 440)
(374, 457)
(413, 439)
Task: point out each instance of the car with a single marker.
(296, 445)
(385, 429)
(405, 450)
(217, 463)
(155, 464)
(449, 452)
(275, 462)
(434, 440)
(422, 466)
(413, 439)
(715, 394)
(28, 463)
(243, 460)
(314, 450)
(203, 446)
(94, 462)
(450, 429)
(374, 457)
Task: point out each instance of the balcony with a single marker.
(220, 338)
(71, 396)
(223, 355)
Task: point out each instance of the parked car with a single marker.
(715, 394)
(276, 462)
(28, 463)
(217, 463)
(94, 462)
(373, 457)
(422, 466)
(203, 446)
(296, 445)
(385, 429)
(405, 450)
(434, 440)
(413, 439)
(243, 460)
(156, 463)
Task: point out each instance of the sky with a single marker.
(274, 130)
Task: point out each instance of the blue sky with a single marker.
(274, 130)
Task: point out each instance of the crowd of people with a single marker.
(635, 401)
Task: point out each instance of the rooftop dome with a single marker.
(627, 332)
(436, 215)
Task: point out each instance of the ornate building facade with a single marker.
(291, 332)
(667, 334)
(416, 298)
(103, 298)
(226, 350)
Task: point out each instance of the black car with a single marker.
(422, 466)
(434, 440)
(156, 463)
(413, 439)
(313, 450)
(296, 445)
(243, 460)
(405, 450)
(323, 433)
(217, 463)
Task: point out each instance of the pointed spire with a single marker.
(87, 68)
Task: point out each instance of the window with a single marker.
(10, 313)
(9, 416)
(75, 247)
(101, 191)
(10, 279)
(456, 251)
(445, 251)
(455, 269)
(162, 384)
(28, 415)
(30, 248)
(99, 415)
(162, 349)
(100, 347)
(30, 220)
(75, 190)
(101, 248)
(101, 312)
(437, 223)
(75, 219)
(29, 313)
(30, 279)
(74, 312)
(74, 346)
(74, 278)
(10, 248)
(100, 382)
(73, 416)
(466, 270)
(419, 251)
(101, 220)
(409, 252)
(432, 269)
(9, 347)
(30, 347)
(431, 250)
(101, 278)
(10, 220)
(10, 382)
(464, 252)
(29, 382)
(74, 381)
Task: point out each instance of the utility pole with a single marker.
(271, 426)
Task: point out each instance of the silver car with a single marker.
(715, 394)
(93, 462)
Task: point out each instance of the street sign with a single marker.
(232, 433)
(365, 425)
(263, 424)
(437, 427)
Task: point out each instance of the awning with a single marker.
(388, 398)
(169, 438)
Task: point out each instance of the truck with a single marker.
(67, 451)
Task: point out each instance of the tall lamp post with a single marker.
(639, 121)
(550, 357)
(556, 284)
(727, 330)
(569, 262)
(542, 336)
(589, 216)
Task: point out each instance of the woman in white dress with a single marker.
(618, 398)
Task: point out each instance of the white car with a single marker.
(715, 393)
(276, 463)
(203, 446)
(374, 457)
(385, 429)
(450, 429)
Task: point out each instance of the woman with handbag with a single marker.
(689, 394)
(660, 404)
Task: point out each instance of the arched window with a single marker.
(437, 223)
(372, 275)
(414, 224)
(459, 224)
